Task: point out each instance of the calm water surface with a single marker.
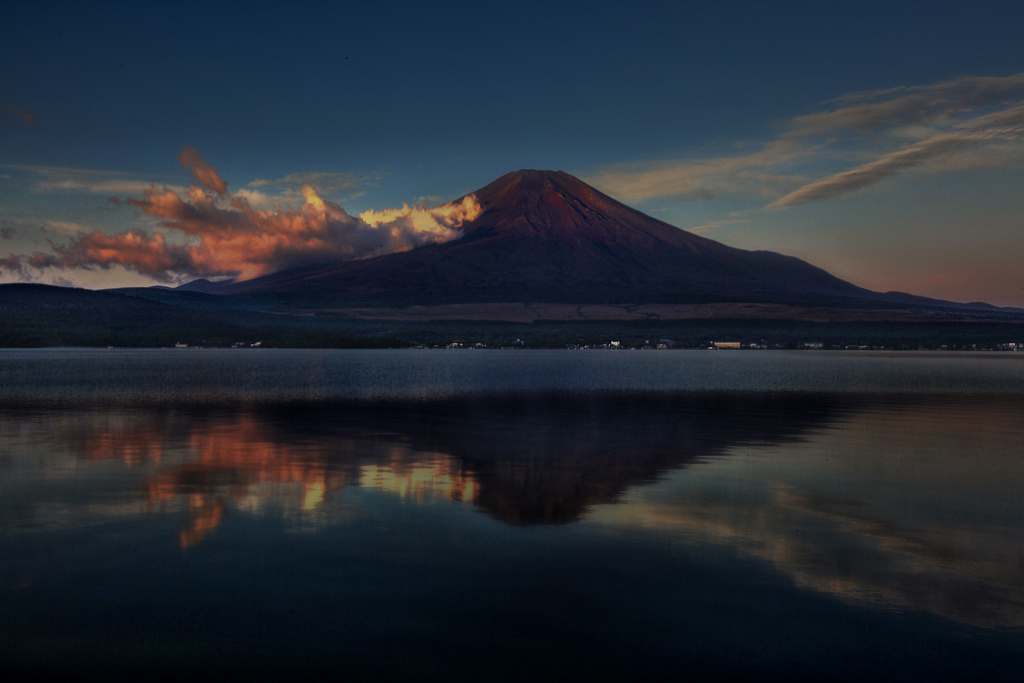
(453, 515)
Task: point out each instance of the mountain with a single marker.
(549, 261)
(546, 236)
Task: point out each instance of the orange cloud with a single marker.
(149, 254)
(206, 175)
(223, 235)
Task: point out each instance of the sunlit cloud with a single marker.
(222, 234)
(259, 200)
(435, 221)
(204, 174)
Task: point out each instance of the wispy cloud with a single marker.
(873, 172)
(26, 116)
(92, 181)
(109, 187)
(751, 175)
(204, 234)
(953, 125)
(717, 224)
(326, 184)
(1006, 126)
(924, 104)
(63, 228)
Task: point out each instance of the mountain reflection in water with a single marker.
(882, 504)
(546, 460)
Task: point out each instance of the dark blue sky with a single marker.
(394, 103)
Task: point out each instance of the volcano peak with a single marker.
(532, 182)
(534, 177)
(547, 201)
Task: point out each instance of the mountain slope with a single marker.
(547, 236)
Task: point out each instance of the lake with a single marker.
(511, 515)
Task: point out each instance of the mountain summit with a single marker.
(546, 236)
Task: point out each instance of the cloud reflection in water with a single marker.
(905, 504)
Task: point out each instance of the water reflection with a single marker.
(542, 461)
(895, 504)
(906, 505)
